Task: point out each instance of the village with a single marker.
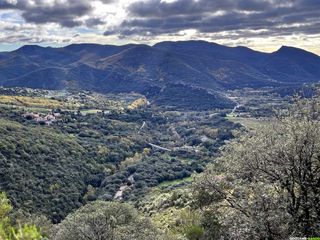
(43, 119)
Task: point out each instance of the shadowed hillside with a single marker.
(193, 65)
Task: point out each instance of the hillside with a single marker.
(63, 152)
(154, 70)
(58, 153)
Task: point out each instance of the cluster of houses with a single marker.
(43, 119)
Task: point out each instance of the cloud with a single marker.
(159, 8)
(91, 22)
(66, 13)
(157, 17)
(253, 22)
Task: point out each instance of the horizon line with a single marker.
(151, 45)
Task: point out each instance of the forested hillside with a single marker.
(159, 120)
(60, 153)
(189, 74)
(132, 171)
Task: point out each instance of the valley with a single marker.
(94, 124)
(116, 146)
(191, 75)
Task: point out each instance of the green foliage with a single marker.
(25, 232)
(5, 206)
(53, 170)
(194, 232)
(106, 220)
(148, 173)
(10, 232)
(211, 226)
(189, 224)
(265, 186)
(42, 170)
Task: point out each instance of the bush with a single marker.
(194, 232)
(108, 221)
(266, 185)
(10, 232)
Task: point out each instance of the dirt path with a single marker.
(235, 108)
(119, 193)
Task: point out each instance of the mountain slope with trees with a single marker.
(150, 69)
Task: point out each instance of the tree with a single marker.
(190, 224)
(5, 208)
(10, 232)
(267, 184)
(102, 220)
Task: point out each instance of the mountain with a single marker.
(189, 71)
(290, 64)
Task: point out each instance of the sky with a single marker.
(263, 25)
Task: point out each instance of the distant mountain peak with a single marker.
(283, 47)
(148, 69)
(32, 49)
(29, 47)
(292, 50)
(288, 48)
(189, 42)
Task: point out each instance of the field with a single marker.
(176, 182)
(250, 123)
(255, 107)
(23, 101)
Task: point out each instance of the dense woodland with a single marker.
(81, 157)
(115, 167)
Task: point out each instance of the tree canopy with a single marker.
(10, 232)
(102, 220)
(266, 184)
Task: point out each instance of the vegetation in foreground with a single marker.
(11, 231)
(264, 186)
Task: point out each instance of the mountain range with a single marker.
(173, 73)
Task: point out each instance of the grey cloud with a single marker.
(107, 1)
(25, 38)
(64, 13)
(255, 5)
(158, 8)
(154, 17)
(94, 22)
(6, 4)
